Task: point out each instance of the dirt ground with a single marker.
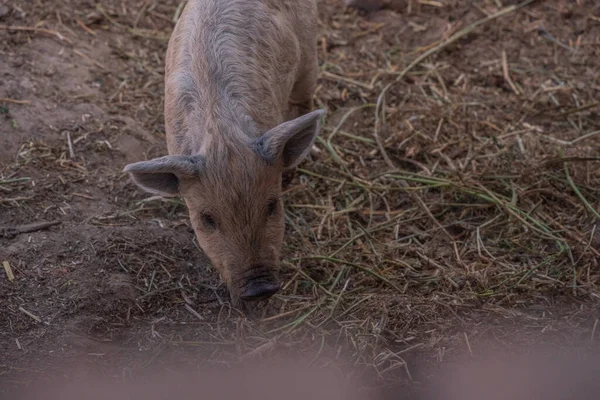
(455, 201)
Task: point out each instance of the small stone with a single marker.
(3, 10)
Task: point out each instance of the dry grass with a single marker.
(458, 184)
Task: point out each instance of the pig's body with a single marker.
(236, 71)
(239, 63)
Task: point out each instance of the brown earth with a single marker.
(495, 133)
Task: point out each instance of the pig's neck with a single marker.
(230, 121)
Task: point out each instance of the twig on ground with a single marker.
(10, 232)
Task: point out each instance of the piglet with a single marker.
(239, 80)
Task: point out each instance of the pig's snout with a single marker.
(260, 289)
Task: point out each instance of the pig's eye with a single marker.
(208, 222)
(272, 207)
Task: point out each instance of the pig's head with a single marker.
(233, 194)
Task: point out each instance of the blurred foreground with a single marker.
(549, 375)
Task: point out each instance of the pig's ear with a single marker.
(291, 140)
(161, 175)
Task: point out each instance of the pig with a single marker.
(240, 76)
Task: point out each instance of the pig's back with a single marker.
(243, 51)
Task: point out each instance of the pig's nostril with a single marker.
(259, 290)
